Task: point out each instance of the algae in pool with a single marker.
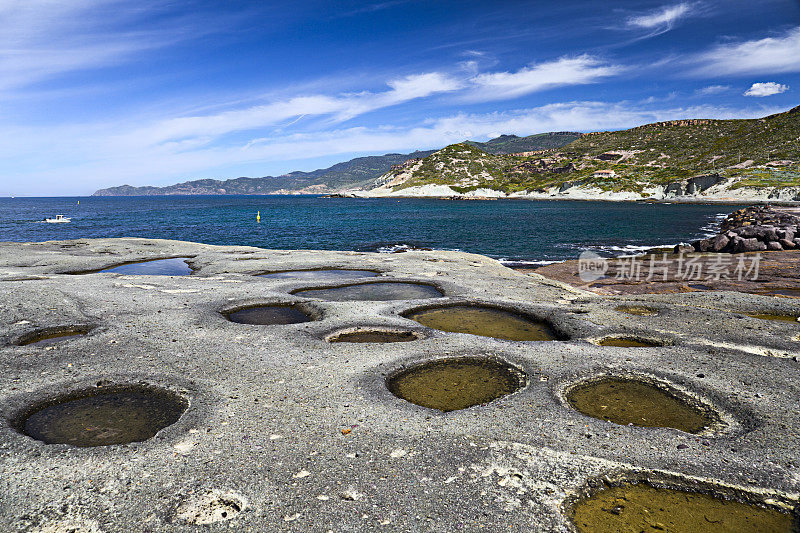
(113, 415)
(453, 384)
(382, 291)
(628, 401)
(46, 339)
(328, 274)
(637, 310)
(157, 267)
(484, 321)
(268, 315)
(641, 507)
(374, 336)
(780, 318)
(622, 342)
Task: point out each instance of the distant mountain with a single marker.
(679, 157)
(509, 144)
(358, 172)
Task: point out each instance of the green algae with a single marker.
(49, 337)
(634, 402)
(634, 508)
(453, 384)
(779, 318)
(623, 342)
(484, 321)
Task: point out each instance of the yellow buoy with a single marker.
(258, 217)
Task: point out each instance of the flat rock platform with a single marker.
(286, 431)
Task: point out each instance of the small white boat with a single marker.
(58, 219)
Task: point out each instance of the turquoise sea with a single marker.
(515, 231)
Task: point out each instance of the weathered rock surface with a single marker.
(287, 432)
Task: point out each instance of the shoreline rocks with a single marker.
(754, 229)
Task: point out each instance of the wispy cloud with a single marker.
(712, 90)
(340, 107)
(468, 86)
(661, 20)
(766, 89)
(771, 55)
(42, 39)
(579, 70)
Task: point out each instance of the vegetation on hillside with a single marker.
(759, 153)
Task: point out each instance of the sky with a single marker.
(99, 93)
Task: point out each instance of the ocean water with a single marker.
(515, 231)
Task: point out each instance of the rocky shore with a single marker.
(285, 430)
(755, 229)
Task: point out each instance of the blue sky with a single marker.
(96, 93)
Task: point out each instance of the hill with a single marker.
(723, 158)
(358, 172)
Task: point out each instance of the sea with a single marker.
(516, 232)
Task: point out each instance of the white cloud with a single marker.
(771, 55)
(662, 19)
(713, 89)
(340, 107)
(205, 129)
(565, 71)
(766, 89)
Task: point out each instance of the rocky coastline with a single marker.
(286, 430)
(755, 229)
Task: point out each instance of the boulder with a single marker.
(774, 246)
(786, 233)
(719, 242)
(787, 244)
(750, 245)
(702, 245)
(683, 248)
(766, 233)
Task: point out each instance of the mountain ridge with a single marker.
(357, 172)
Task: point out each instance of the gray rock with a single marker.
(774, 246)
(750, 245)
(787, 244)
(719, 242)
(766, 233)
(786, 233)
(702, 245)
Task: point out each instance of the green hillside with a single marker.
(756, 152)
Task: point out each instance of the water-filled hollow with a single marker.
(628, 342)
(46, 337)
(175, 266)
(484, 321)
(453, 384)
(629, 401)
(642, 507)
(378, 291)
(637, 310)
(102, 416)
(322, 274)
(268, 315)
(374, 336)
